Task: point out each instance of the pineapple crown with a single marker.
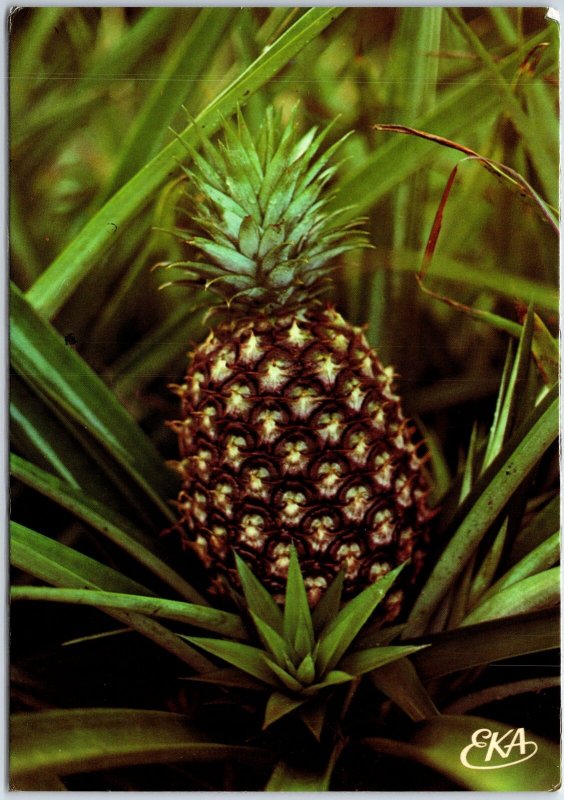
(259, 219)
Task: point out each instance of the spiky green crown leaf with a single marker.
(303, 652)
(259, 217)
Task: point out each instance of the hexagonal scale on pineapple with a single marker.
(297, 335)
(357, 444)
(329, 424)
(223, 494)
(257, 480)
(294, 453)
(304, 399)
(274, 371)
(252, 530)
(238, 398)
(323, 364)
(222, 365)
(381, 528)
(321, 532)
(356, 502)
(269, 421)
(251, 350)
(348, 556)
(350, 389)
(328, 474)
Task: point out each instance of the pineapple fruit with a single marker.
(290, 430)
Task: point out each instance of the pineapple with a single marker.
(290, 430)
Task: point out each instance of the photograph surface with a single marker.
(284, 399)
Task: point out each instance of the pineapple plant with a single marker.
(290, 429)
(271, 693)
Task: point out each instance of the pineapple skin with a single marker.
(291, 433)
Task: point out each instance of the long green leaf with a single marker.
(313, 716)
(154, 242)
(155, 352)
(507, 395)
(62, 566)
(504, 25)
(400, 682)
(154, 24)
(542, 524)
(258, 598)
(285, 676)
(58, 282)
(487, 276)
(52, 440)
(396, 159)
(57, 111)
(510, 407)
(228, 676)
(278, 19)
(305, 671)
(211, 619)
(243, 656)
(277, 645)
(362, 661)
(25, 59)
(492, 694)
(546, 352)
(332, 678)
(487, 642)
(32, 128)
(374, 635)
(530, 594)
(328, 607)
(41, 357)
(335, 640)
(116, 528)
(278, 705)
(524, 124)
(40, 436)
(49, 442)
(541, 558)
(440, 741)
(171, 90)
(57, 114)
(490, 495)
(25, 263)
(86, 739)
(297, 624)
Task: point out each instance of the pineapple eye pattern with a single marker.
(297, 458)
(290, 431)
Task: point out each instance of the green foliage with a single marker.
(267, 240)
(57, 564)
(439, 741)
(72, 741)
(119, 530)
(69, 386)
(488, 642)
(202, 617)
(298, 662)
(286, 778)
(298, 627)
(82, 255)
(96, 181)
(488, 498)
